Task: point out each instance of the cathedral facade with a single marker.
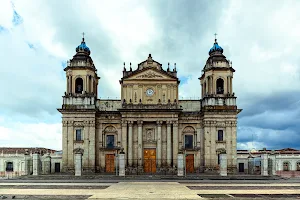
(149, 123)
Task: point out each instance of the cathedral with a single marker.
(149, 124)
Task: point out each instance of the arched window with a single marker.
(298, 166)
(9, 167)
(220, 86)
(79, 85)
(188, 133)
(110, 133)
(286, 166)
(205, 91)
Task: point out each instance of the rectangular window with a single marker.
(78, 135)
(219, 159)
(9, 167)
(220, 135)
(188, 141)
(110, 141)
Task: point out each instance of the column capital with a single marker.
(159, 123)
(130, 123)
(175, 123)
(169, 123)
(140, 122)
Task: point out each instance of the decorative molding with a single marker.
(77, 124)
(188, 129)
(78, 151)
(150, 75)
(220, 124)
(110, 129)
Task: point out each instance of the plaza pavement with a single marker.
(149, 190)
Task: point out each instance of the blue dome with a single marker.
(83, 47)
(216, 47)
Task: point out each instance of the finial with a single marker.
(150, 55)
(215, 37)
(168, 67)
(130, 67)
(175, 66)
(124, 67)
(82, 36)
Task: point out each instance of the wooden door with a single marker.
(109, 162)
(149, 160)
(189, 163)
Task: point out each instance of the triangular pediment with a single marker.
(151, 74)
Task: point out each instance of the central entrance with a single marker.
(189, 163)
(149, 160)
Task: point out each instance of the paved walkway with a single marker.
(151, 190)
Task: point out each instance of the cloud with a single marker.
(260, 37)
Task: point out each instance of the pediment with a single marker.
(151, 74)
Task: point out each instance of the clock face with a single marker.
(149, 92)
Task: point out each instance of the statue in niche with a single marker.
(149, 135)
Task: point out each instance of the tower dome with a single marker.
(215, 48)
(83, 48)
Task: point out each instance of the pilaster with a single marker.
(92, 146)
(124, 137)
(65, 145)
(175, 143)
(169, 150)
(130, 143)
(70, 145)
(159, 149)
(140, 142)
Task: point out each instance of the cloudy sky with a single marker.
(261, 38)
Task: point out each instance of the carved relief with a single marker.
(150, 75)
(149, 135)
(78, 151)
(220, 124)
(110, 129)
(188, 129)
(78, 124)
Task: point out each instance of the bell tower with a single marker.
(82, 78)
(218, 110)
(79, 110)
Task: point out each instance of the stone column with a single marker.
(264, 164)
(175, 142)
(130, 143)
(159, 123)
(70, 145)
(169, 147)
(180, 164)
(65, 145)
(36, 163)
(124, 136)
(86, 145)
(140, 142)
(92, 143)
(47, 163)
(78, 164)
(121, 164)
(223, 164)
